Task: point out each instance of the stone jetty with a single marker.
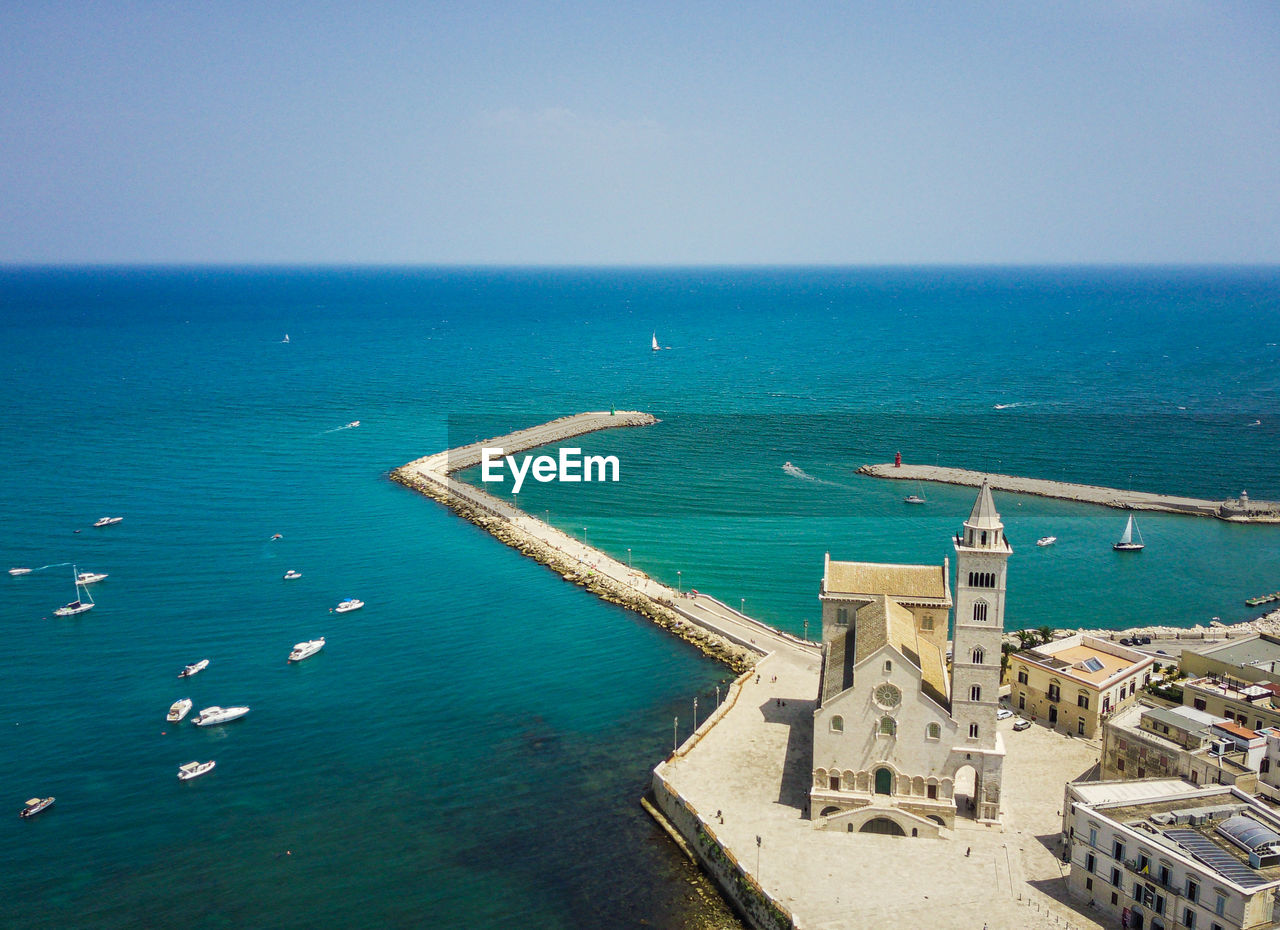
(715, 628)
(1237, 510)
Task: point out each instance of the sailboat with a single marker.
(1126, 543)
(285, 339)
(918, 497)
(82, 603)
(656, 347)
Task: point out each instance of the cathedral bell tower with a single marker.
(982, 555)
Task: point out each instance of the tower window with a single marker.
(837, 724)
(975, 693)
(984, 537)
(978, 656)
(980, 611)
(973, 731)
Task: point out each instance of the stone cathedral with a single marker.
(901, 745)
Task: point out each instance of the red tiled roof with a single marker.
(1236, 730)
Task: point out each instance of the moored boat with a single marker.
(178, 710)
(107, 521)
(212, 716)
(194, 769)
(91, 577)
(193, 668)
(306, 650)
(1046, 540)
(83, 601)
(1126, 543)
(349, 604)
(35, 806)
(914, 499)
(290, 575)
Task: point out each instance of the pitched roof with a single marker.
(873, 578)
(879, 623)
(984, 515)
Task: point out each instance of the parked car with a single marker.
(1126, 642)
(1022, 725)
(1004, 713)
(1146, 640)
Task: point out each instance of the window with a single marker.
(887, 726)
(1115, 898)
(1117, 850)
(978, 656)
(1264, 766)
(1090, 862)
(1080, 727)
(1022, 676)
(1082, 700)
(1022, 701)
(975, 693)
(835, 782)
(931, 791)
(842, 616)
(837, 724)
(933, 731)
(1188, 918)
(926, 623)
(980, 612)
(1164, 875)
(982, 579)
(1055, 692)
(887, 695)
(1115, 878)
(1088, 884)
(1093, 838)
(973, 731)
(888, 666)
(1193, 891)
(1220, 906)
(1119, 766)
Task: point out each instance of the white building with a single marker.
(1165, 858)
(899, 746)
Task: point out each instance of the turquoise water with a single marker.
(469, 748)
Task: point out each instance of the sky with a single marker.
(660, 133)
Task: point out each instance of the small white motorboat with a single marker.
(82, 603)
(348, 605)
(193, 668)
(212, 716)
(353, 424)
(35, 806)
(19, 571)
(306, 650)
(913, 499)
(290, 575)
(1046, 540)
(178, 710)
(107, 521)
(194, 769)
(91, 577)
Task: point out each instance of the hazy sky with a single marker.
(625, 133)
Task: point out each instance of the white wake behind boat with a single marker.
(348, 605)
(194, 769)
(82, 603)
(306, 650)
(35, 806)
(178, 710)
(91, 577)
(107, 521)
(1126, 543)
(212, 716)
(193, 668)
(1046, 540)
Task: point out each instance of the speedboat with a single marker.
(1046, 540)
(107, 521)
(353, 424)
(82, 603)
(19, 571)
(178, 710)
(193, 668)
(90, 577)
(306, 650)
(35, 806)
(290, 575)
(212, 716)
(194, 769)
(913, 499)
(349, 604)
(277, 536)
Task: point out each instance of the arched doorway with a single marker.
(882, 825)
(966, 787)
(884, 782)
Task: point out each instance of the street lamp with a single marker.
(695, 713)
(584, 536)
(675, 740)
(757, 859)
(742, 606)
(806, 631)
(679, 582)
(628, 556)
(717, 695)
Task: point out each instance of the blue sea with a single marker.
(469, 749)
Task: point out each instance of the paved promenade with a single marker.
(1234, 510)
(753, 766)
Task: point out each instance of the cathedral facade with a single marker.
(902, 743)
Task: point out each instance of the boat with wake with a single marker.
(194, 769)
(1046, 540)
(212, 716)
(35, 806)
(306, 650)
(194, 668)
(107, 521)
(19, 571)
(178, 710)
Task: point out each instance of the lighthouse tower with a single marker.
(982, 556)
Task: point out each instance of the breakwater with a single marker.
(714, 628)
(1237, 510)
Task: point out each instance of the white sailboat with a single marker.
(1126, 543)
(916, 498)
(656, 347)
(82, 603)
(285, 339)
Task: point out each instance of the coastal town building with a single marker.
(1071, 684)
(1142, 741)
(1253, 659)
(1269, 767)
(1162, 858)
(900, 746)
(1252, 704)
